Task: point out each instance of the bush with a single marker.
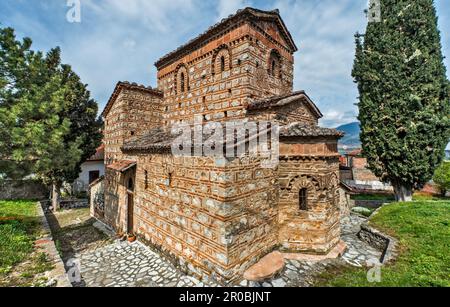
(442, 177)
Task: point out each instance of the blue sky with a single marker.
(120, 40)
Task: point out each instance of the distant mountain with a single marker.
(351, 138)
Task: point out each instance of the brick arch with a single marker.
(181, 70)
(304, 182)
(274, 62)
(225, 52)
(313, 181)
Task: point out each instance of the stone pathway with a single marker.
(134, 265)
(359, 253)
(304, 273)
(130, 265)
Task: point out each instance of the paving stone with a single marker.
(125, 265)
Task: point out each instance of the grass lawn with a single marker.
(20, 263)
(423, 230)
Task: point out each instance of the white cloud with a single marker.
(337, 117)
(120, 40)
(227, 7)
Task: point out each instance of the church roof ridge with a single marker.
(218, 27)
(130, 86)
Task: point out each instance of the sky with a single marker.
(119, 40)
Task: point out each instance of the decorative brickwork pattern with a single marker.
(217, 217)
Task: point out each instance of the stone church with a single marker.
(214, 216)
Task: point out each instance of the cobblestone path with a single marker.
(133, 265)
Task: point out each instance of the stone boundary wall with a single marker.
(370, 204)
(22, 189)
(58, 275)
(380, 241)
(67, 204)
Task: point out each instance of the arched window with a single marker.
(303, 199)
(182, 83)
(274, 67)
(222, 64)
(221, 60)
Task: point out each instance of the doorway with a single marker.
(130, 206)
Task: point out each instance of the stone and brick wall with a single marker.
(218, 95)
(314, 167)
(219, 217)
(133, 113)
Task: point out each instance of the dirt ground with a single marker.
(74, 233)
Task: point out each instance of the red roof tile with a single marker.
(122, 165)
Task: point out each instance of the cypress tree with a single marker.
(404, 98)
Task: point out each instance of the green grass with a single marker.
(423, 230)
(17, 232)
(17, 209)
(427, 197)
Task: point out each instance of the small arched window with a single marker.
(222, 64)
(274, 65)
(303, 199)
(182, 83)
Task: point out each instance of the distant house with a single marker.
(91, 170)
(355, 173)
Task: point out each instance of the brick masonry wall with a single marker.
(133, 113)
(221, 96)
(316, 229)
(218, 217)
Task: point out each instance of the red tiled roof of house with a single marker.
(122, 165)
(354, 153)
(99, 154)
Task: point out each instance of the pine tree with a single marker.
(404, 94)
(48, 119)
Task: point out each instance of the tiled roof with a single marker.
(355, 153)
(158, 139)
(99, 154)
(283, 100)
(304, 130)
(129, 86)
(122, 165)
(216, 30)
